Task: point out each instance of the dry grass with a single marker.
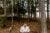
(34, 26)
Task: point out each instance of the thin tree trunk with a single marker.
(35, 13)
(31, 7)
(5, 9)
(28, 10)
(12, 18)
(47, 10)
(43, 16)
(4, 6)
(36, 2)
(12, 12)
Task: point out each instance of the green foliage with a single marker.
(8, 2)
(18, 10)
(33, 8)
(3, 22)
(1, 8)
(9, 9)
(21, 10)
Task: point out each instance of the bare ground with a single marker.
(34, 26)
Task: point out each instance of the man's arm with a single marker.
(21, 30)
(28, 30)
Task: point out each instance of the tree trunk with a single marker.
(12, 18)
(43, 16)
(35, 13)
(5, 9)
(28, 9)
(31, 7)
(5, 6)
(47, 11)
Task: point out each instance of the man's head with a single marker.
(25, 24)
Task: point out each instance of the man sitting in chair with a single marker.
(25, 29)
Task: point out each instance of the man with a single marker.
(24, 29)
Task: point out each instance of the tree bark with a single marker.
(28, 10)
(12, 18)
(5, 9)
(43, 16)
(4, 6)
(47, 10)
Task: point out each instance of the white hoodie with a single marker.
(24, 29)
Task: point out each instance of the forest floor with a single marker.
(34, 26)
